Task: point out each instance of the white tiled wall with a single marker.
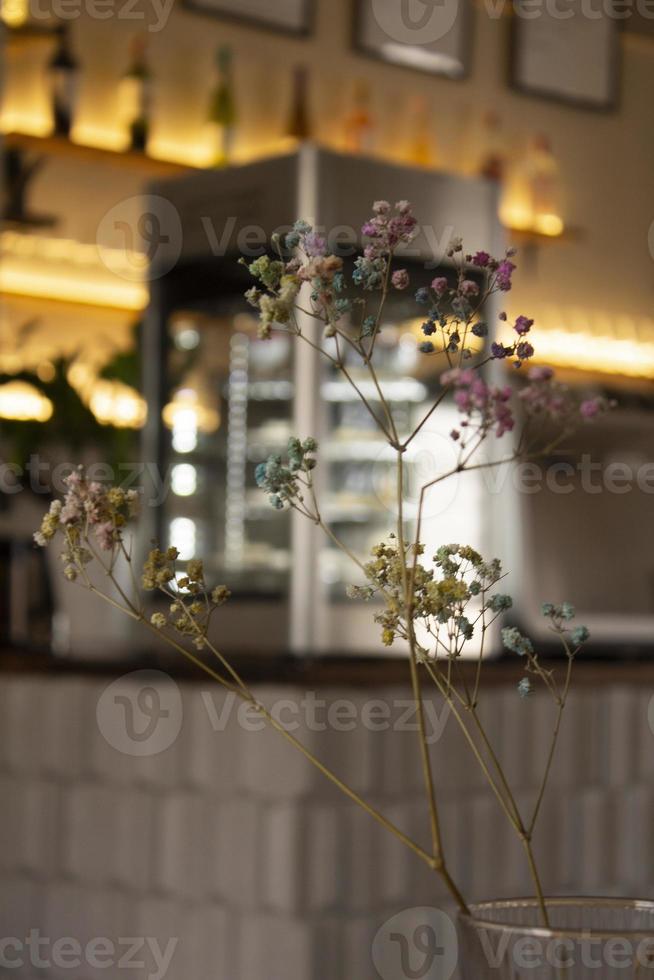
(231, 844)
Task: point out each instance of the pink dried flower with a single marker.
(469, 288)
(540, 373)
(105, 534)
(591, 407)
(400, 279)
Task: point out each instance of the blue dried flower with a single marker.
(480, 329)
(500, 603)
(465, 627)
(567, 611)
(292, 239)
(525, 688)
(579, 635)
(514, 640)
(368, 273)
(426, 347)
(422, 296)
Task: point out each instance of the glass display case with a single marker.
(229, 405)
(226, 400)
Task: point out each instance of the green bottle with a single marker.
(63, 70)
(137, 95)
(222, 115)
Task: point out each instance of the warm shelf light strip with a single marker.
(132, 264)
(589, 352)
(87, 290)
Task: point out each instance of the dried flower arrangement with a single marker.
(448, 597)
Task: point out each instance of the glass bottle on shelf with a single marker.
(63, 77)
(421, 143)
(531, 196)
(222, 115)
(492, 152)
(545, 182)
(136, 96)
(359, 122)
(299, 125)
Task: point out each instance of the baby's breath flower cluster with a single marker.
(285, 482)
(191, 604)
(572, 638)
(91, 514)
(449, 599)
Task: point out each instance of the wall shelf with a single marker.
(28, 34)
(58, 146)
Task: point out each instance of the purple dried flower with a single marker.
(523, 325)
(503, 275)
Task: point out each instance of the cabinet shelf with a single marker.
(59, 146)
(28, 34)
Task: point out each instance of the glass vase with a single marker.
(587, 939)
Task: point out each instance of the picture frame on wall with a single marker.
(585, 50)
(284, 16)
(432, 36)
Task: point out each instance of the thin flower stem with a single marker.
(498, 767)
(555, 736)
(536, 879)
(393, 438)
(473, 746)
(426, 417)
(388, 435)
(246, 695)
(437, 844)
(480, 659)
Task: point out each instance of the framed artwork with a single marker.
(286, 16)
(429, 35)
(574, 59)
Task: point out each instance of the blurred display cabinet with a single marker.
(224, 400)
